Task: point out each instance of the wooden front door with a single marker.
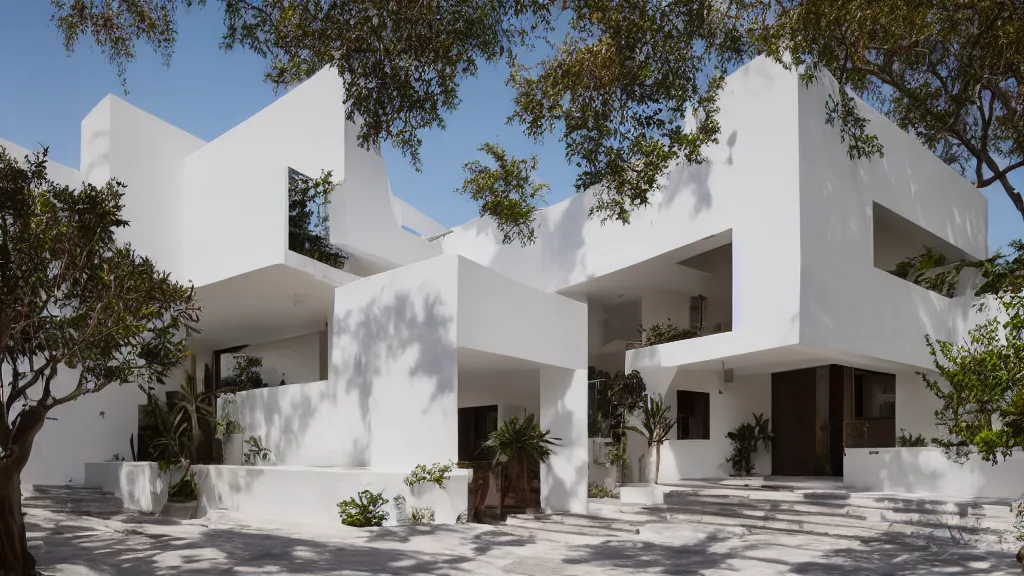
(793, 409)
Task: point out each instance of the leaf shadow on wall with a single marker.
(387, 329)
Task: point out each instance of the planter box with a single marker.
(180, 510)
(232, 449)
(643, 494)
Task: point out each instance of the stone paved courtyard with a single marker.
(83, 533)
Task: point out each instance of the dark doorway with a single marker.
(793, 406)
(818, 411)
(475, 424)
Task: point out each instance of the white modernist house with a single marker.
(775, 252)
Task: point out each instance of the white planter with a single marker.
(648, 466)
(231, 446)
(180, 510)
(642, 494)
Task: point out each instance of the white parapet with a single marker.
(298, 494)
(928, 471)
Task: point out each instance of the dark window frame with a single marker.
(473, 419)
(690, 404)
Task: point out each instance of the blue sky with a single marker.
(44, 94)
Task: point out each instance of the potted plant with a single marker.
(230, 432)
(177, 446)
(256, 454)
(519, 447)
(744, 439)
(655, 426)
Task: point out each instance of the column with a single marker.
(563, 410)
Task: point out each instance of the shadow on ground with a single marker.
(90, 537)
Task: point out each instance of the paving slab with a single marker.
(89, 536)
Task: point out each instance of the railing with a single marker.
(855, 434)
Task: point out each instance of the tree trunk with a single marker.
(657, 461)
(15, 559)
(524, 489)
(501, 491)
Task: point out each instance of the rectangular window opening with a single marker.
(912, 253)
(308, 230)
(693, 415)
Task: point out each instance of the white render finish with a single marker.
(276, 493)
(785, 236)
(928, 471)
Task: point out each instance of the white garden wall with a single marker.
(928, 471)
(302, 424)
(278, 493)
(296, 360)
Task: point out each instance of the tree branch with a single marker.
(1005, 171)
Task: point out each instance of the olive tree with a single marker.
(79, 312)
(614, 79)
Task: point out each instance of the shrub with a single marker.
(438, 474)
(905, 440)
(661, 333)
(255, 451)
(184, 490)
(745, 439)
(420, 515)
(364, 511)
(596, 490)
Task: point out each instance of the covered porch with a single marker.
(820, 404)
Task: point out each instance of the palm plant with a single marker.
(518, 447)
(745, 439)
(655, 426)
(178, 442)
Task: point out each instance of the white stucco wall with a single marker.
(278, 493)
(296, 359)
(749, 185)
(916, 406)
(518, 388)
(739, 400)
(148, 155)
(928, 471)
(366, 220)
(846, 303)
(54, 170)
(81, 433)
(394, 360)
(563, 411)
(302, 424)
(236, 187)
(502, 316)
(662, 307)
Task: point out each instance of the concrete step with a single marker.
(986, 524)
(73, 499)
(573, 522)
(562, 532)
(864, 509)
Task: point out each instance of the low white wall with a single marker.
(311, 495)
(600, 471)
(139, 485)
(91, 429)
(928, 471)
(301, 424)
(279, 493)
